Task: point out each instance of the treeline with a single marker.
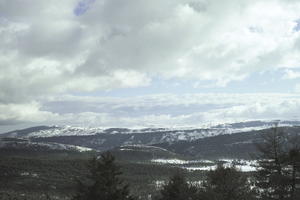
(277, 177)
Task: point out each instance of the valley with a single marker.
(35, 166)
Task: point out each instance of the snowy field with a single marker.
(206, 165)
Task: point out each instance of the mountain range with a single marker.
(234, 140)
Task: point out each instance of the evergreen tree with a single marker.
(294, 159)
(273, 180)
(294, 166)
(227, 183)
(178, 189)
(103, 182)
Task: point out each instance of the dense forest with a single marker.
(92, 176)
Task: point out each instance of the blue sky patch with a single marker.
(297, 27)
(83, 6)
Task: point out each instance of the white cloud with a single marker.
(47, 49)
(45, 42)
(171, 110)
(291, 74)
(168, 110)
(21, 113)
(297, 88)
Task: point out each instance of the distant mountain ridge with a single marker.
(13, 144)
(238, 145)
(225, 140)
(181, 133)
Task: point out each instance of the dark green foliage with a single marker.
(32, 174)
(178, 189)
(294, 161)
(279, 161)
(103, 181)
(271, 177)
(141, 153)
(227, 183)
(235, 146)
(107, 140)
(57, 172)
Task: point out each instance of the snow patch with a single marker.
(201, 165)
(180, 162)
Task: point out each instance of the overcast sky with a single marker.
(148, 63)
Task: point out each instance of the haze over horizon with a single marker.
(116, 63)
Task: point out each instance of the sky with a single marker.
(151, 63)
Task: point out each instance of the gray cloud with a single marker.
(173, 110)
(48, 44)
(167, 110)
(47, 49)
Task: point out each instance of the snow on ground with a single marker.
(58, 146)
(243, 168)
(205, 168)
(169, 134)
(83, 149)
(49, 145)
(242, 165)
(140, 146)
(160, 183)
(66, 131)
(34, 175)
(179, 162)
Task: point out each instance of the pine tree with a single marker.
(104, 182)
(178, 189)
(294, 166)
(273, 180)
(227, 183)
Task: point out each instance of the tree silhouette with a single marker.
(178, 189)
(104, 182)
(227, 183)
(278, 174)
(294, 161)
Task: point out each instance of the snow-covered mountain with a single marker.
(25, 145)
(105, 139)
(168, 134)
(219, 140)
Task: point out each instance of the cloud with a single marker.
(165, 110)
(291, 74)
(83, 6)
(57, 48)
(297, 88)
(172, 110)
(105, 41)
(20, 113)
